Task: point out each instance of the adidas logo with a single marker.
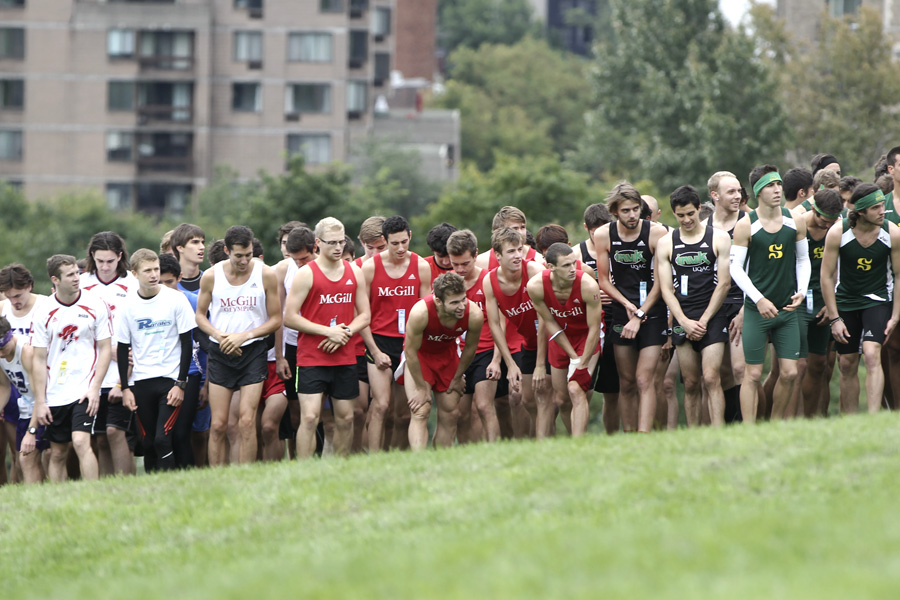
(868, 333)
(412, 276)
(577, 301)
(253, 285)
(349, 282)
(703, 245)
(641, 243)
(459, 328)
(724, 330)
(479, 293)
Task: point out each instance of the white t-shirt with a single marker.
(70, 334)
(21, 326)
(152, 327)
(18, 377)
(114, 294)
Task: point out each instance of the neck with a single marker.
(725, 214)
(512, 274)
(561, 283)
(149, 291)
(769, 211)
(189, 270)
(67, 298)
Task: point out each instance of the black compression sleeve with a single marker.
(122, 356)
(187, 349)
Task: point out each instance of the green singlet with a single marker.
(772, 260)
(890, 213)
(865, 277)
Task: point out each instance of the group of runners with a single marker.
(327, 352)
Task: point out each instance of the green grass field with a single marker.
(789, 510)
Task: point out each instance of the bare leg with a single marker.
(81, 441)
(750, 393)
(270, 423)
(380, 388)
(812, 383)
(849, 366)
(122, 458)
(689, 360)
(219, 405)
(784, 388)
(360, 410)
(343, 425)
(59, 456)
(310, 411)
(483, 400)
(874, 375)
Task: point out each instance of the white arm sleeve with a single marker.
(739, 275)
(804, 267)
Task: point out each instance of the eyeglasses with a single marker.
(334, 243)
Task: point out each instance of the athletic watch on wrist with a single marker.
(181, 385)
(640, 314)
(32, 430)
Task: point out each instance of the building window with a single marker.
(118, 196)
(839, 8)
(357, 7)
(248, 46)
(163, 198)
(12, 93)
(119, 146)
(167, 49)
(248, 3)
(12, 42)
(308, 98)
(331, 5)
(166, 101)
(11, 3)
(120, 43)
(246, 97)
(382, 67)
(120, 95)
(381, 21)
(315, 147)
(359, 48)
(10, 145)
(310, 47)
(356, 96)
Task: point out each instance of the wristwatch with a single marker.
(181, 385)
(32, 430)
(640, 314)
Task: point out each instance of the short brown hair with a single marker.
(549, 235)
(448, 284)
(184, 233)
(713, 183)
(370, 230)
(507, 214)
(826, 178)
(141, 256)
(15, 276)
(58, 261)
(165, 244)
(287, 228)
(506, 235)
(461, 242)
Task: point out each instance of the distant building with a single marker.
(803, 17)
(143, 99)
(434, 134)
(568, 22)
(416, 38)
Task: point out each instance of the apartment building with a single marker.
(143, 99)
(803, 17)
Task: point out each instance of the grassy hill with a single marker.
(794, 510)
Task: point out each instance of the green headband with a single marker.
(825, 214)
(869, 200)
(764, 181)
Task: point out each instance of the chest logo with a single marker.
(818, 253)
(775, 251)
(692, 259)
(629, 257)
(864, 264)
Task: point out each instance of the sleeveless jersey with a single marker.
(694, 272)
(865, 277)
(890, 212)
(816, 253)
(631, 267)
(392, 298)
(437, 339)
(587, 259)
(493, 263)
(237, 308)
(772, 260)
(114, 294)
(357, 340)
(289, 336)
(807, 205)
(70, 333)
(19, 379)
(571, 314)
(21, 326)
(436, 268)
(735, 293)
(518, 309)
(327, 303)
(476, 295)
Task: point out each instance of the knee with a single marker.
(848, 365)
(711, 378)
(788, 373)
(218, 429)
(645, 381)
(269, 429)
(59, 453)
(247, 422)
(82, 443)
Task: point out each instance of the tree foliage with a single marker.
(841, 94)
(521, 100)
(540, 186)
(390, 179)
(471, 23)
(678, 95)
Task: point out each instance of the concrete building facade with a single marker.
(143, 99)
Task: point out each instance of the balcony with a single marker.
(165, 113)
(164, 164)
(166, 62)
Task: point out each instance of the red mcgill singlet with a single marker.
(518, 309)
(437, 339)
(391, 299)
(476, 295)
(571, 316)
(327, 303)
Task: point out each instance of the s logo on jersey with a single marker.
(864, 264)
(819, 253)
(775, 251)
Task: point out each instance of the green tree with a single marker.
(525, 99)
(471, 23)
(540, 186)
(677, 105)
(840, 94)
(391, 180)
